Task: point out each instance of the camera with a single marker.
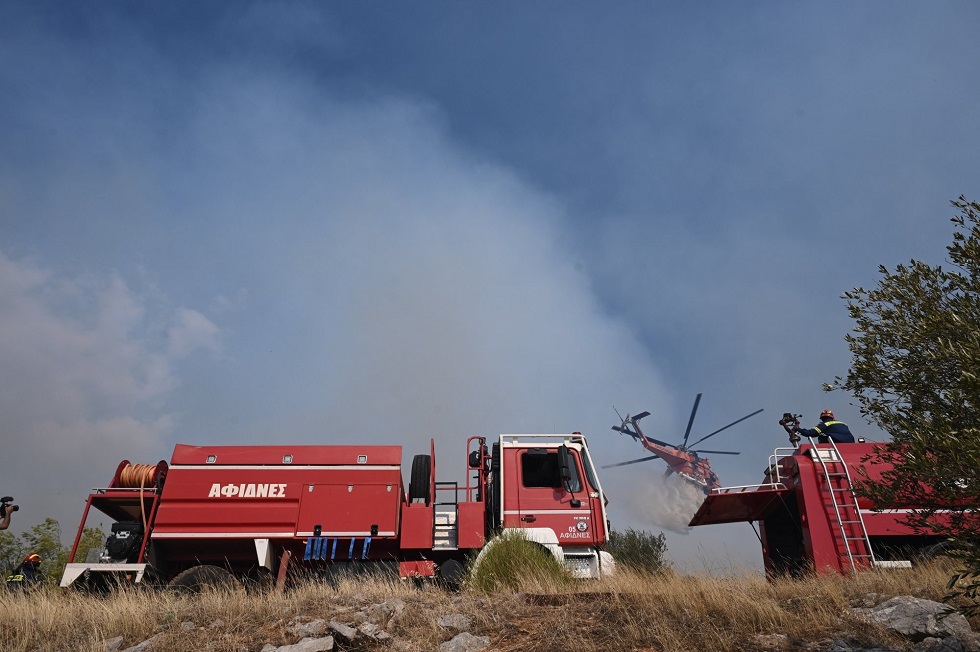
(789, 417)
(6, 507)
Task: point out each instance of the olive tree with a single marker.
(915, 371)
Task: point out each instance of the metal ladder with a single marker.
(854, 535)
(445, 535)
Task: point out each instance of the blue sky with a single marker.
(311, 222)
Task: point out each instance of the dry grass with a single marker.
(642, 613)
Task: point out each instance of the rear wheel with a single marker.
(451, 572)
(203, 578)
(419, 488)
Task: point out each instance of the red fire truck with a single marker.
(217, 514)
(811, 519)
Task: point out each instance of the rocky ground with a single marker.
(912, 623)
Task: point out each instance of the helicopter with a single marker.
(680, 459)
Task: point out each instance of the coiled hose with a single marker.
(143, 476)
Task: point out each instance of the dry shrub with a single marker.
(512, 562)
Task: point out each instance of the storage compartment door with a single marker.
(349, 510)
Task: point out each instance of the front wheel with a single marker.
(198, 579)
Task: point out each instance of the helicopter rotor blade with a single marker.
(727, 427)
(690, 422)
(642, 459)
(717, 452)
(638, 437)
(659, 443)
(626, 431)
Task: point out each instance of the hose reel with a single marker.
(126, 537)
(139, 476)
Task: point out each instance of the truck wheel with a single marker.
(451, 573)
(419, 488)
(202, 578)
(935, 551)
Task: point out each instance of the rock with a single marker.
(345, 632)
(187, 626)
(374, 632)
(918, 619)
(459, 622)
(217, 623)
(359, 616)
(840, 645)
(113, 644)
(867, 600)
(306, 630)
(268, 647)
(324, 644)
(465, 642)
(394, 620)
(931, 644)
(381, 613)
(139, 647)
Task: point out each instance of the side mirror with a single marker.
(565, 467)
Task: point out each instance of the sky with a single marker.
(304, 222)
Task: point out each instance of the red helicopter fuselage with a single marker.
(680, 461)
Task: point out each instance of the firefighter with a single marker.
(28, 575)
(828, 429)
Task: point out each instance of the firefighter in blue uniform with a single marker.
(28, 575)
(828, 429)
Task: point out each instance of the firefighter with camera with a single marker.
(6, 509)
(829, 429)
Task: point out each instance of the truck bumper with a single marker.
(588, 563)
(117, 573)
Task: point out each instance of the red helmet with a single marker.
(827, 414)
(32, 558)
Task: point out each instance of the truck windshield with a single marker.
(540, 469)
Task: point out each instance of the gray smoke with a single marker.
(666, 502)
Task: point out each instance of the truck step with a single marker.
(445, 518)
(446, 543)
(445, 534)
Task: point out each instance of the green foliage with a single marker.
(92, 537)
(11, 551)
(638, 550)
(45, 540)
(915, 370)
(512, 561)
